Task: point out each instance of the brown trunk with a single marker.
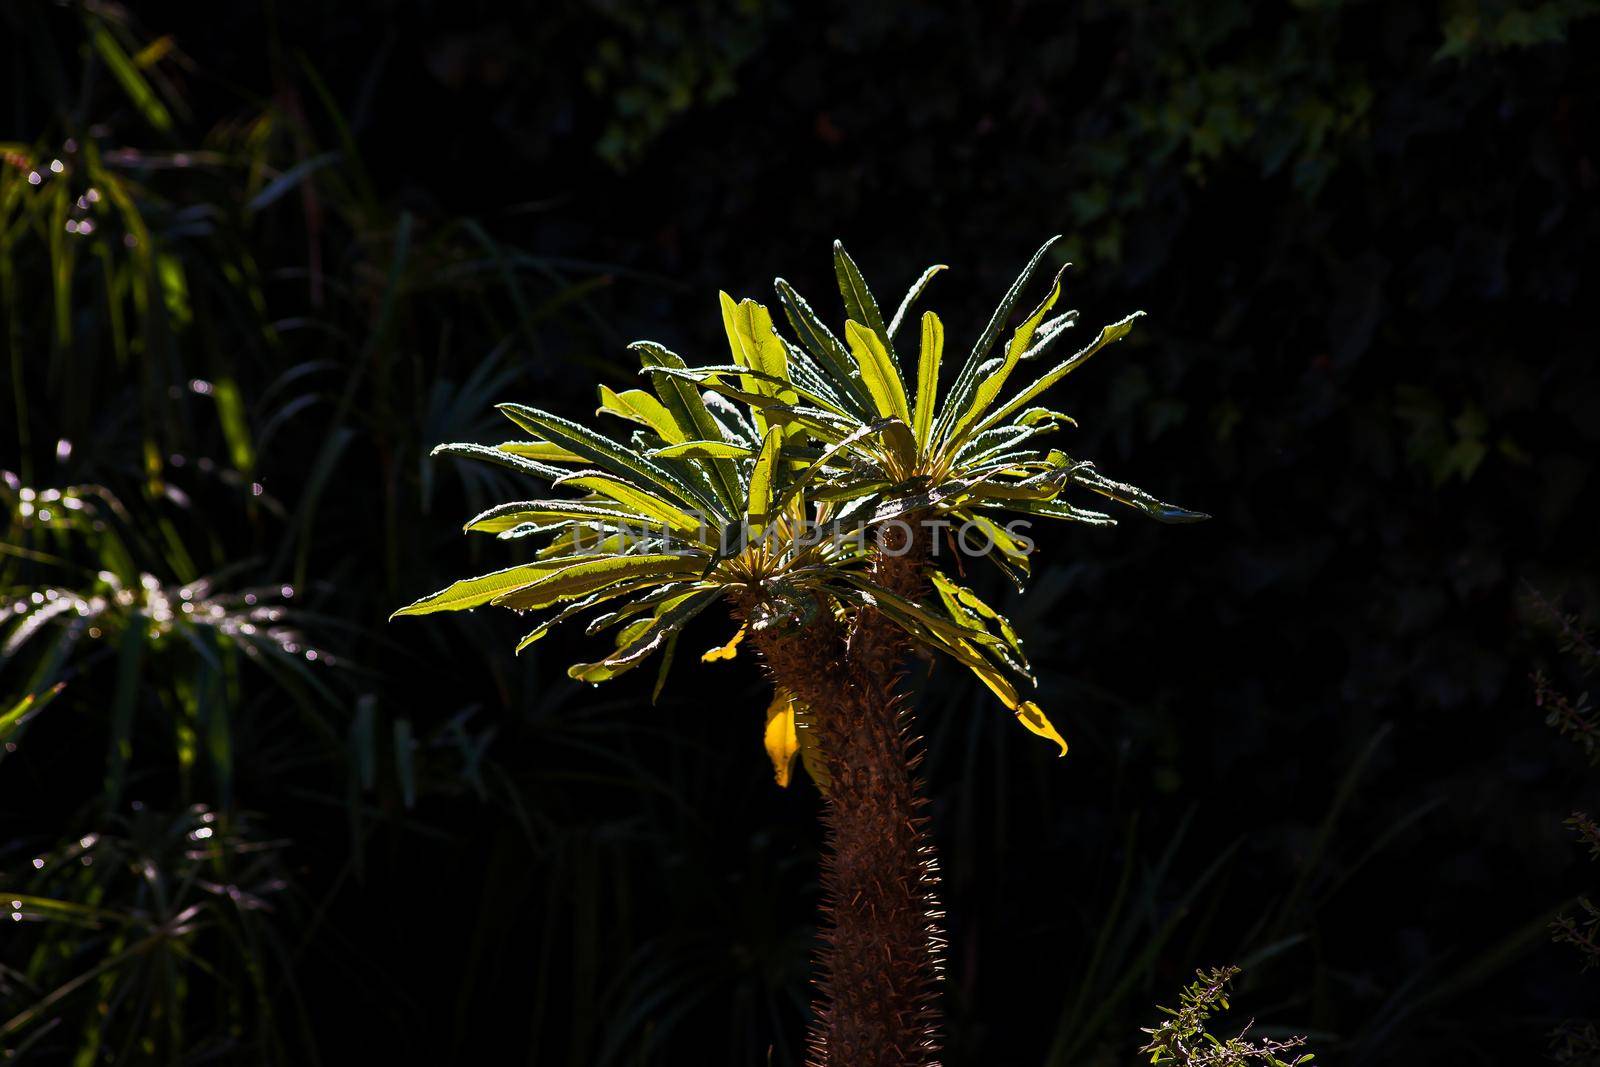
(880, 952)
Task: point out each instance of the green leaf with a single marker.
(540, 451)
(1108, 335)
(928, 377)
(758, 383)
(878, 373)
(966, 382)
(762, 478)
(828, 456)
(752, 340)
(635, 498)
(514, 513)
(817, 339)
(950, 632)
(702, 450)
(636, 643)
(960, 599)
(859, 303)
(25, 709)
(473, 592)
(604, 451)
(667, 656)
(989, 388)
(579, 579)
(912, 296)
(588, 603)
(958, 642)
(1060, 509)
(689, 411)
(127, 75)
(501, 457)
(1134, 497)
(636, 405)
(815, 420)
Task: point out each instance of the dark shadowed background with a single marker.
(286, 249)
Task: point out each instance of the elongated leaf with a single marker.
(1108, 335)
(540, 451)
(780, 736)
(811, 380)
(1011, 555)
(950, 632)
(636, 643)
(1060, 509)
(960, 598)
(952, 640)
(1030, 716)
(966, 382)
(689, 411)
(636, 405)
(989, 387)
(127, 74)
(859, 303)
(703, 450)
(635, 499)
(827, 457)
(824, 425)
(762, 479)
(928, 377)
(520, 464)
(726, 651)
(667, 655)
(817, 339)
(644, 603)
(912, 296)
(1049, 331)
(514, 513)
(12, 721)
(472, 592)
(1134, 497)
(752, 340)
(579, 579)
(604, 451)
(878, 373)
(758, 383)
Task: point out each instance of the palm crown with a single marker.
(765, 488)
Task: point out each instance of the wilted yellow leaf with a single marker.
(783, 743)
(1029, 715)
(727, 651)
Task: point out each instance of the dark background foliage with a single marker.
(1303, 734)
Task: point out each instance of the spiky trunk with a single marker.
(880, 948)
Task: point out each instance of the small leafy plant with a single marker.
(1182, 1039)
(816, 489)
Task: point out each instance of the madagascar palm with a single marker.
(801, 488)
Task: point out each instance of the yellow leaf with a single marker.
(928, 376)
(1030, 716)
(783, 743)
(989, 388)
(727, 651)
(761, 480)
(638, 406)
(543, 451)
(878, 373)
(756, 345)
